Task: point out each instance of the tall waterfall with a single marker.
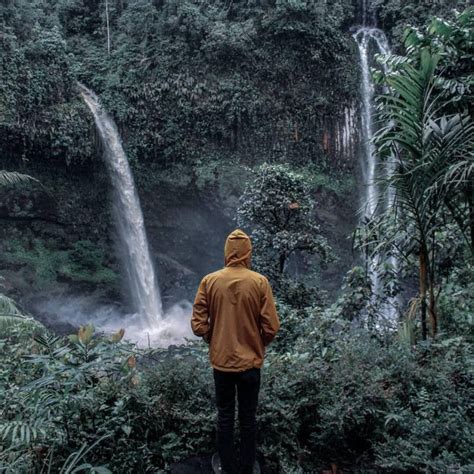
(139, 269)
(370, 39)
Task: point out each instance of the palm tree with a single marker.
(430, 146)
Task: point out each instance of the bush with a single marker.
(87, 396)
(334, 395)
(65, 395)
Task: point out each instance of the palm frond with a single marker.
(12, 177)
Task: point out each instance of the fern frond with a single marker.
(12, 177)
(11, 316)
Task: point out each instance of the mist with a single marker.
(70, 312)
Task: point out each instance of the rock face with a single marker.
(340, 137)
(26, 203)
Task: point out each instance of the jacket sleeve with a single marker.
(268, 315)
(200, 319)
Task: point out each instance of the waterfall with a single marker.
(144, 292)
(367, 38)
(364, 37)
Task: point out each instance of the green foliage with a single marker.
(226, 180)
(427, 146)
(340, 185)
(395, 15)
(431, 133)
(184, 396)
(356, 297)
(184, 80)
(456, 305)
(38, 112)
(330, 394)
(46, 263)
(12, 317)
(279, 210)
(86, 399)
(204, 74)
(84, 262)
(87, 263)
(437, 411)
(349, 390)
(73, 398)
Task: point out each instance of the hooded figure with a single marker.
(234, 310)
(235, 313)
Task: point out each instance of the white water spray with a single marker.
(134, 249)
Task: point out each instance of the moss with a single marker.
(84, 262)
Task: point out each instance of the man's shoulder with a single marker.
(222, 273)
(213, 275)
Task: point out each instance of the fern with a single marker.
(12, 177)
(23, 432)
(11, 316)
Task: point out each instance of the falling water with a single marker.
(128, 217)
(368, 38)
(364, 37)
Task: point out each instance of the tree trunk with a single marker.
(282, 262)
(108, 25)
(432, 312)
(423, 274)
(431, 284)
(470, 200)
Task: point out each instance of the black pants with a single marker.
(247, 385)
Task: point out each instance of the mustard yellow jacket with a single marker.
(234, 310)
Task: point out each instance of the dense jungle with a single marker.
(135, 135)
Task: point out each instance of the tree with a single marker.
(429, 137)
(279, 210)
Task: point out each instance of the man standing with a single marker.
(235, 313)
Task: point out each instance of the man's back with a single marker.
(234, 310)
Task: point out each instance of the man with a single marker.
(235, 313)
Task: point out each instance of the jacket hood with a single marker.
(238, 249)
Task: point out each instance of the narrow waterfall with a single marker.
(142, 283)
(370, 39)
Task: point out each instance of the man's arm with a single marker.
(200, 319)
(268, 315)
